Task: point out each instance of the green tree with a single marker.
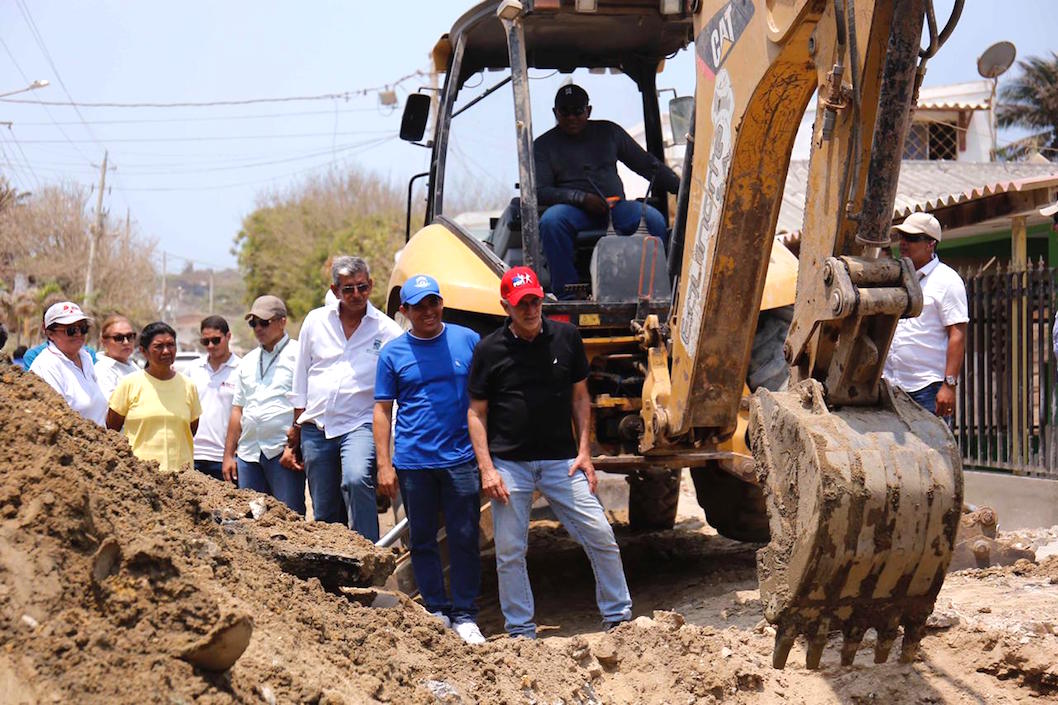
(284, 245)
(1030, 101)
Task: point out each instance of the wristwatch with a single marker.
(951, 380)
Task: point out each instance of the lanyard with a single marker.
(261, 369)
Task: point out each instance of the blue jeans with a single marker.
(560, 224)
(268, 476)
(341, 475)
(927, 399)
(211, 468)
(454, 491)
(582, 515)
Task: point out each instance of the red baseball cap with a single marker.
(518, 282)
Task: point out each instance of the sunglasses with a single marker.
(358, 288)
(206, 342)
(572, 112)
(253, 323)
(908, 237)
(72, 331)
(121, 337)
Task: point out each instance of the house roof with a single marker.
(946, 188)
(973, 95)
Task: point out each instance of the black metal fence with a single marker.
(1007, 401)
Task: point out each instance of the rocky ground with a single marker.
(113, 578)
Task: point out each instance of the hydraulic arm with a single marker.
(863, 488)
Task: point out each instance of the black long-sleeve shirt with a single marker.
(567, 165)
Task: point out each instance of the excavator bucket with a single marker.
(863, 506)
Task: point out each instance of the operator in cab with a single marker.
(576, 177)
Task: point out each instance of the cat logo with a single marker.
(716, 40)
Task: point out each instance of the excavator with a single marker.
(855, 489)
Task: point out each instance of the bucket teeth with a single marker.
(913, 631)
(817, 640)
(853, 639)
(886, 637)
(784, 639)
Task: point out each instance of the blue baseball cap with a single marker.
(418, 288)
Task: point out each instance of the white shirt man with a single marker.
(214, 378)
(927, 352)
(262, 411)
(334, 398)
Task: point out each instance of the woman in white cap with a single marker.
(118, 341)
(66, 366)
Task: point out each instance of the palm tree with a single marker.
(1030, 101)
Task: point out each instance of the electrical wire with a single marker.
(215, 118)
(224, 138)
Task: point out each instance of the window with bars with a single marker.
(932, 140)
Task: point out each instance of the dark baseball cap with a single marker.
(571, 96)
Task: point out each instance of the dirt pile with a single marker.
(109, 571)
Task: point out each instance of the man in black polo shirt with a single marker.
(528, 390)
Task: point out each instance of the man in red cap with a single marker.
(528, 391)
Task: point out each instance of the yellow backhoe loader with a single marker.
(701, 355)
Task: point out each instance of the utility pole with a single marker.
(211, 291)
(97, 235)
(161, 312)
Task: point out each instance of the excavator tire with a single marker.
(733, 507)
(653, 494)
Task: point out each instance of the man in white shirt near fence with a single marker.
(214, 378)
(927, 352)
(334, 399)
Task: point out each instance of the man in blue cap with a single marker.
(425, 371)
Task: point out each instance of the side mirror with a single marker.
(681, 112)
(416, 113)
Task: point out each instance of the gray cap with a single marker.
(267, 307)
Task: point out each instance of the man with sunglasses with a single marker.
(926, 355)
(66, 366)
(261, 410)
(214, 377)
(334, 399)
(576, 177)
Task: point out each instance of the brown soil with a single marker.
(190, 557)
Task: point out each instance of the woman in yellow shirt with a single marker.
(158, 407)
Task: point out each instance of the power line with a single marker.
(345, 95)
(216, 118)
(225, 138)
(213, 187)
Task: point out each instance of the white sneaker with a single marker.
(445, 621)
(469, 632)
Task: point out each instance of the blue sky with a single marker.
(189, 175)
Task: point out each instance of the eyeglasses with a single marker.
(358, 288)
(908, 237)
(72, 331)
(121, 337)
(572, 112)
(206, 342)
(253, 323)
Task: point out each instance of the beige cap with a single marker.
(267, 307)
(1049, 210)
(920, 224)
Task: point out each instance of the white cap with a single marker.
(921, 224)
(1049, 210)
(63, 313)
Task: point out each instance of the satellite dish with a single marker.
(996, 60)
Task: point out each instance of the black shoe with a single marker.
(610, 626)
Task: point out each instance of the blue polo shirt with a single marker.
(428, 380)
